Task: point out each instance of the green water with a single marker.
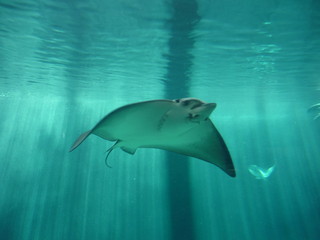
(66, 64)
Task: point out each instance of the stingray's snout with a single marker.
(203, 111)
(209, 107)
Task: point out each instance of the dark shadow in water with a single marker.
(8, 224)
(184, 18)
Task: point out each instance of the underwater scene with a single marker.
(160, 120)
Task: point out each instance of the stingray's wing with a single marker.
(129, 120)
(314, 107)
(269, 171)
(137, 119)
(255, 171)
(203, 142)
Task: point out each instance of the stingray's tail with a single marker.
(108, 153)
(79, 140)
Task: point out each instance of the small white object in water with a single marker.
(315, 109)
(259, 172)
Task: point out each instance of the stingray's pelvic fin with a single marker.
(130, 150)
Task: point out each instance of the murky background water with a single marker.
(66, 64)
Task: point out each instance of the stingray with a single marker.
(315, 109)
(259, 172)
(181, 126)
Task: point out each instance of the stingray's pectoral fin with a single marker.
(130, 150)
(79, 140)
(162, 120)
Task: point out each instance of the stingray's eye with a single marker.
(177, 100)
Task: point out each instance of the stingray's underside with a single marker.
(151, 125)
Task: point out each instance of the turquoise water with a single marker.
(66, 64)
